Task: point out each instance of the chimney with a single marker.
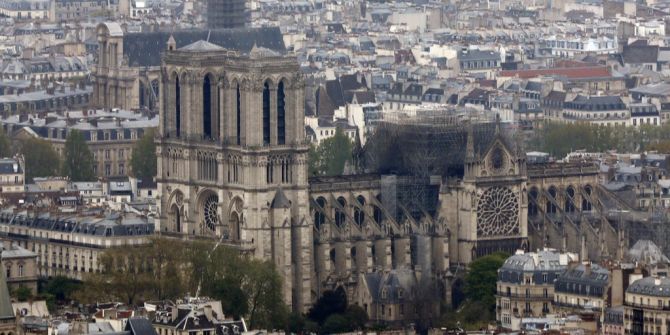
(208, 312)
(27, 53)
(174, 313)
(93, 122)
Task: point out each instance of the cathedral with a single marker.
(428, 197)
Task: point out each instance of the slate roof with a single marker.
(640, 54)
(144, 49)
(473, 55)
(6, 311)
(280, 200)
(537, 264)
(596, 103)
(569, 72)
(651, 286)
(140, 326)
(200, 46)
(7, 166)
(648, 252)
(111, 225)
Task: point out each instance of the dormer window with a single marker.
(384, 293)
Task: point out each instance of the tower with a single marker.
(226, 14)
(233, 157)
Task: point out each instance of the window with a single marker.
(21, 273)
(121, 153)
(9, 272)
(108, 169)
(122, 169)
(107, 154)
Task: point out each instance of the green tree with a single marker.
(61, 288)
(40, 158)
(23, 293)
(336, 323)
(144, 159)
(5, 146)
(329, 157)
(78, 164)
(480, 282)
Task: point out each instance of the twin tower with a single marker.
(232, 156)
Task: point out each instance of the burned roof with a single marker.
(144, 49)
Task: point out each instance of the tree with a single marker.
(5, 146)
(23, 293)
(40, 158)
(336, 323)
(78, 164)
(331, 155)
(331, 302)
(143, 160)
(480, 282)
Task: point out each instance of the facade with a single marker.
(226, 170)
(70, 245)
(194, 316)
(110, 135)
(20, 266)
(12, 175)
(45, 100)
(25, 9)
(582, 287)
(566, 46)
(478, 60)
(647, 306)
(127, 75)
(226, 14)
(76, 10)
(525, 287)
(598, 110)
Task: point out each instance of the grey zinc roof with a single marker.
(6, 311)
(144, 49)
(201, 46)
(648, 252)
(140, 326)
(7, 166)
(657, 287)
(280, 200)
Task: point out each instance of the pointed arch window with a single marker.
(177, 106)
(266, 113)
(281, 114)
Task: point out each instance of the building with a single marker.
(127, 75)
(226, 14)
(478, 60)
(76, 10)
(525, 287)
(7, 318)
(69, 245)
(598, 110)
(582, 287)
(239, 174)
(20, 266)
(12, 175)
(110, 135)
(25, 9)
(647, 306)
(193, 316)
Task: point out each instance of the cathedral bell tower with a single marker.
(233, 156)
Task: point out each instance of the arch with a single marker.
(266, 112)
(175, 214)
(551, 207)
(352, 254)
(207, 83)
(586, 204)
(377, 215)
(569, 206)
(141, 94)
(208, 205)
(235, 219)
(319, 216)
(359, 213)
(238, 114)
(177, 106)
(281, 113)
(532, 205)
(340, 217)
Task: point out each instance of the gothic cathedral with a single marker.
(233, 156)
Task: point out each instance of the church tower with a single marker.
(233, 156)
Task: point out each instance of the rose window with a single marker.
(210, 212)
(498, 212)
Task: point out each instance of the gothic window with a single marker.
(269, 171)
(281, 114)
(319, 217)
(210, 213)
(551, 206)
(266, 113)
(141, 94)
(586, 204)
(234, 226)
(238, 108)
(532, 203)
(497, 160)
(569, 200)
(359, 214)
(177, 106)
(207, 107)
(339, 212)
(498, 212)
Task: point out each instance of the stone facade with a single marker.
(233, 157)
